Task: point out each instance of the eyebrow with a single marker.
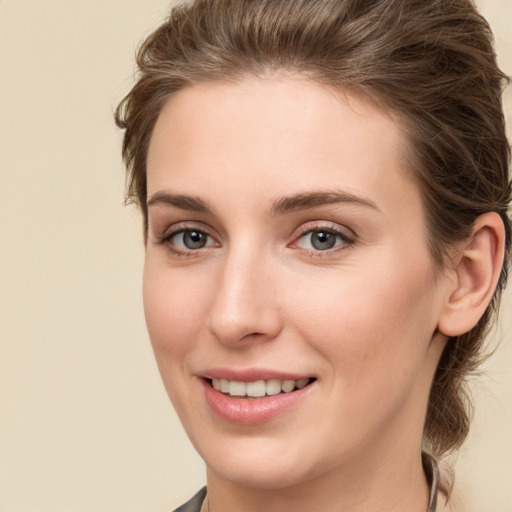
(281, 206)
(308, 200)
(180, 201)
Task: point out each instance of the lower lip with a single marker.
(251, 411)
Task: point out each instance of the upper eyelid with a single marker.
(308, 227)
(179, 227)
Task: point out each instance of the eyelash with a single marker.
(343, 240)
(166, 237)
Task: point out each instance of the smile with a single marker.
(258, 388)
(253, 402)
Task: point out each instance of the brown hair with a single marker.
(431, 62)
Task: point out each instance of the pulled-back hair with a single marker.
(429, 62)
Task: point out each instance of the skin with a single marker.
(362, 317)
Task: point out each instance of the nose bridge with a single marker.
(244, 302)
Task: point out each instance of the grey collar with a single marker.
(432, 472)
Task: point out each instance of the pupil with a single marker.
(194, 239)
(323, 240)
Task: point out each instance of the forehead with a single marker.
(286, 131)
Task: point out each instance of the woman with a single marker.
(324, 188)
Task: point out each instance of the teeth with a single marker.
(288, 385)
(274, 387)
(302, 383)
(237, 388)
(224, 385)
(258, 388)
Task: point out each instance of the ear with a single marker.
(476, 269)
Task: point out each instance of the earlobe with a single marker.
(476, 271)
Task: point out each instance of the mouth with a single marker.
(254, 397)
(259, 388)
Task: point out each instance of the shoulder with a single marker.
(194, 504)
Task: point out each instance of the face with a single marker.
(289, 292)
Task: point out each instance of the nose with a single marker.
(244, 305)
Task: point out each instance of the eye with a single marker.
(187, 240)
(323, 239)
(191, 239)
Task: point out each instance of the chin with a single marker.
(265, 475)
(262, 463)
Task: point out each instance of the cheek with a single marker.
(174, 306)
(368, 320)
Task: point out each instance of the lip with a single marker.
(251, 374)
(251, 411)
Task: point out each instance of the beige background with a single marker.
(84, 421)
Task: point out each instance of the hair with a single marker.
(431, 63)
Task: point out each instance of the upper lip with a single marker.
(251, 374)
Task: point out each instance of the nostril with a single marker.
(252, 335)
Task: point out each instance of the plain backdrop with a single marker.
(85, 424)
